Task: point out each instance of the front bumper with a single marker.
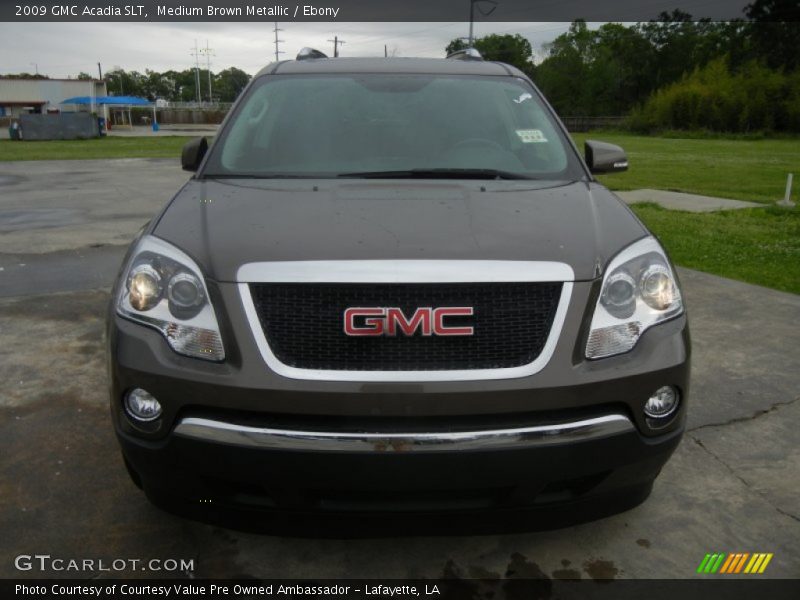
(253, 468)
(236, 434)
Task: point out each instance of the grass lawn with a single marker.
(108, 147)
(756, 245)
(752, 170)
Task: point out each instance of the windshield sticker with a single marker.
(531, 136)
(523, 97)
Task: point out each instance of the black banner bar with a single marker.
(732, 588)
(363, 10)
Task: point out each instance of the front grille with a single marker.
(304, 327)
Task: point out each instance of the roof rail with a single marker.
(466, 54)
(307, 53)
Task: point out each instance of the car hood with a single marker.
(224, 224)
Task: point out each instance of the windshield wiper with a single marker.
(442, 173)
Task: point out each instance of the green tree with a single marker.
(616, 67)
(511, 49)
(156, 85)
(455, 45)
(775, 33)
(718, 98)
(562, 75)
(125, 83)
(187, 86)
(24, 76)
(229, 83)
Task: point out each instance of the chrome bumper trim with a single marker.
(404, 271)
(221, 432)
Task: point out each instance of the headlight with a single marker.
(144, 286)
(639, 291)
(163, 289)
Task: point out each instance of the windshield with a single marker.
(374, 125)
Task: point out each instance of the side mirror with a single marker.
(193, 153)
(604, 158)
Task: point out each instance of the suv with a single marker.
(395, 285)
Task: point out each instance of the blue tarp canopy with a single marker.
(113, 100)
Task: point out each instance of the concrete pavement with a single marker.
(51, 206)
(731, 485)
(682, 201)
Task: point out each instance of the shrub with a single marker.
(754, 98)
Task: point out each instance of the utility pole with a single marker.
(471, 20)
(196, 54)
(336, 43)
(472, 4)
(100, 74)
(208, 52)
(385, 51)
(277, 41)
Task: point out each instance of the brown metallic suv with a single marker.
(394, 285)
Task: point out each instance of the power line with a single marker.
(277, 41)
(336, 43)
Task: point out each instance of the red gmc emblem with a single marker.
(389, 321)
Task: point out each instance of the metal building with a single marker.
(19, 96)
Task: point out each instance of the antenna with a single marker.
(277, 41)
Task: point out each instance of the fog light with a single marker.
(142, 406)
(662, 403)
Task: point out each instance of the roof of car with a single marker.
(435, 66)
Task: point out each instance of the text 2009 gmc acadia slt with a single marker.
(394, 284)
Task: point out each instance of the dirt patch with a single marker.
(523, 580)
(521, 568)
(65, 489)
(601, 570)
(53, 346)
(566, 574)
(477, 572)
(71, 306)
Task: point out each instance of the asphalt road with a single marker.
(732, 485)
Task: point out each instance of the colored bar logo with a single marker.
(734, 563)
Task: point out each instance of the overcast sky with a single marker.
(66, 49)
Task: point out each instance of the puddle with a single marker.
(38, 218)
(10, 179)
